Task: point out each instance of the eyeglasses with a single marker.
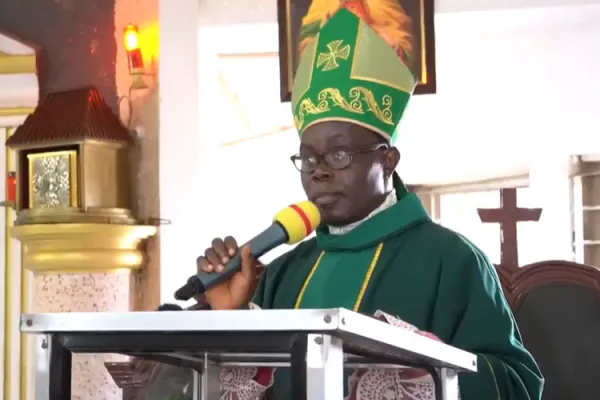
(336, 159)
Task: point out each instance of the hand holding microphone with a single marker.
(227, 276)
(236, 291)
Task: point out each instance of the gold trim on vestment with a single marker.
(363, 287)
(493, 376)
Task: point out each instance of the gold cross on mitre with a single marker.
(329, 60)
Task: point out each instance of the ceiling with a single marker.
(511, 82)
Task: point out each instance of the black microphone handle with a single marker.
(270, 238)
(169, 307)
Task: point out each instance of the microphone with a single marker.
(290, 225)
(169, 307)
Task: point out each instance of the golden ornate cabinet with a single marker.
(73, 186)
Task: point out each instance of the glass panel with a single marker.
(148, 380)
(171, 383)
(458, 212)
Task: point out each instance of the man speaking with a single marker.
(376, 251)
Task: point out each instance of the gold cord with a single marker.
(363, 287)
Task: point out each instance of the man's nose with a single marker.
(323, 172)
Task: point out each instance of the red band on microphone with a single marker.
(303, 217)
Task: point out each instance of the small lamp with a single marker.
(131, 38)
(11, 190)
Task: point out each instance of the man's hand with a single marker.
(237, 291)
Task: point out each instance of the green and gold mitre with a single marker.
(350, 73)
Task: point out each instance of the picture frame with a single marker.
(291, 12)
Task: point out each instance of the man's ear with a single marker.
(390, 161)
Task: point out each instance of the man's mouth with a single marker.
(325, 200)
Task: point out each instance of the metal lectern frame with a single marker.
(317, 344)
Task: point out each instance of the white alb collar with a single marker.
(389, 201)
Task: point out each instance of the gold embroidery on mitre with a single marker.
(307, 106)
(329, 60)
(361, 100)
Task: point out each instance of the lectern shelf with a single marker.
(316, 340)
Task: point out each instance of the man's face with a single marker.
(346, 195)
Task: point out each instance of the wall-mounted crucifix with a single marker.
(508, 215)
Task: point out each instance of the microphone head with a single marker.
(299, 220)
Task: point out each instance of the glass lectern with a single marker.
(315, 344)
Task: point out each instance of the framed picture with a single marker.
(297, 20)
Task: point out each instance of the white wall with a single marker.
(514, 75)
(249, 188)
(181, 192)
(509, 83)
(244, 185)
(503, 94)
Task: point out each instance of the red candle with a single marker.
(11, 187)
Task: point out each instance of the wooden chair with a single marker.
(557, 307)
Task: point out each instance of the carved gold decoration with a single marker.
(360, 100)
(82, 248)
(15, 111)
(70, 215)
(53, 179)
(17, 64)
(329, 61)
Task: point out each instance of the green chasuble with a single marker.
(402, 263)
